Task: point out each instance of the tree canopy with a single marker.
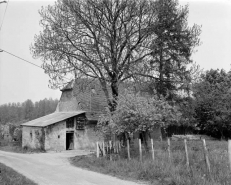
(212, 103)
(172, 49)
(103, 39)
(114, 41)
(136, 113)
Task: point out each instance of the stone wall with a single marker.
(87, 138)
(33, 137)
(55, 136)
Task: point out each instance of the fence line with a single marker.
(116, 148)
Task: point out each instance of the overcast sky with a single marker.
(20, 81)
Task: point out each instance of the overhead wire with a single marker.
(4, 15)
(22, 59)
(26, 61)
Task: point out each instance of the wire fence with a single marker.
(135, 149)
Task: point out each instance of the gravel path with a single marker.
(55, 169)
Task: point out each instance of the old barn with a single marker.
(73, 124)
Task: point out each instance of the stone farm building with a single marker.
(72, 125)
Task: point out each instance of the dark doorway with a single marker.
(70, 141)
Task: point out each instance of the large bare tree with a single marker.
(106, 40)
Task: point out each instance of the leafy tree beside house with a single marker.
(138, 114)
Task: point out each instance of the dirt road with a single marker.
(54, 169)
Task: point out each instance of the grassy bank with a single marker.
(17, 147)
(10, 177)
(163, 170)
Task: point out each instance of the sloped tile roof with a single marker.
(51, 119)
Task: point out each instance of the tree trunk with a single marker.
(160, 87)
(115, 93)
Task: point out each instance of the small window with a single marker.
(80, 123)
(70, 123)
(58, 136)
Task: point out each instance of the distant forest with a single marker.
(21, 112)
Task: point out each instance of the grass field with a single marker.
(163, 170)
(10, 177)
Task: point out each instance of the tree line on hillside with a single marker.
(145, 42)
(26, 111)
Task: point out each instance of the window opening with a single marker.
(70, 123)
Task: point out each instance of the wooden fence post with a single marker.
(110, 150)
(152, 147)
(115, 147)
(161, 139)
(229, 152)
(107, 148)
(128, 148)
(169, 149)
(206, 157)
(140, 150)
(186, 153)
(97, 149)
(103, 149)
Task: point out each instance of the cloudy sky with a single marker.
(20, 81)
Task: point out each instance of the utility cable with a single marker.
(4, 14)
(1, 50)
(22, 59)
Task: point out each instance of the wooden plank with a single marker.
(206, 157)
(128, 149)
(119, 147)
(229, 152)
(97, 149)
(186, 153)
(140, 150)
(104, 153)
(161, 139)
(110, 150)
(107, 149)
(101, 150)
(152, 147)
(169, 149)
